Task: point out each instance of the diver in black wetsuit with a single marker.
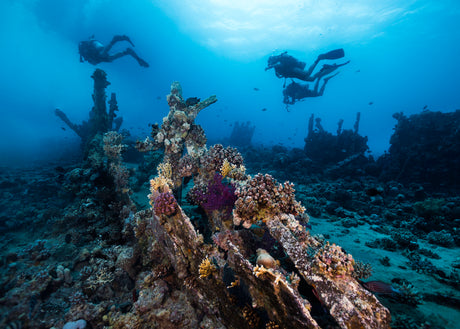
(296, 91)
(287, 66)
(95, 52)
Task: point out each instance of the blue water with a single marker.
(404, 57)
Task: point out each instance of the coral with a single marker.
(430, 207)
(216, 199)
(206, 268)
(219, 196)
(362, 270)
(164, 169)
(222, 239)
(408, 294)
(113, 146)
(213, 161)
(261, 198)
(197, 195)
(266, 288)
(332, 260)
(165, 204)
(126, 260)
(161, 183)
(187, 166)
(265, 259)
(113, 149)
(442, 238)
(226, 168)
(233, 171)
(178, 131)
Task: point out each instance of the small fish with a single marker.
(256, 89)
(357, 71)
(379, 287)
(425, 107)
(370, 103)
(158, 97)
(264, 109)
(63, 128)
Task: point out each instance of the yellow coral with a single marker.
(165, 170)
(233, 284)
(206, 268)
(162, 183)
(226, 168)
(159, 184)
(259, 270)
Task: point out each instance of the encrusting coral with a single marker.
(266, 219)
(262, 197)
(178, 131)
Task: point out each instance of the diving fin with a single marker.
(333, 54)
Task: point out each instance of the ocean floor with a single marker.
(353, 240)
(38, 248)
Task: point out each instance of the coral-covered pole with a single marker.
(339, 127)
(356, 126)
(113, 107)
(179, 132)
(310, 125)
(99, 121)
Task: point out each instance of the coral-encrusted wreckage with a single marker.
(100, 120)
(425, 149)
(200, 243)
(252, 264)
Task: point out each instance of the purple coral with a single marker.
(217, 196)
(220, 196)
(165, 204)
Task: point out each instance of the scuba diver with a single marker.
(287, 66)
(95, 52)
(296, 91)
